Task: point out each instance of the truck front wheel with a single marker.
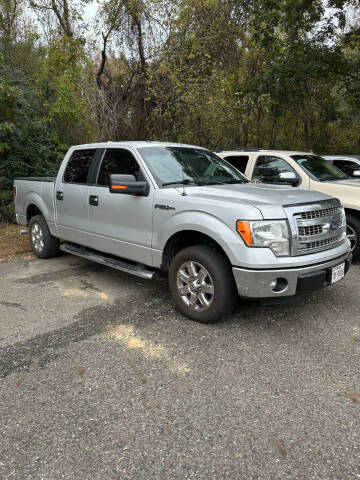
(43, 244)
(353, 233)
(202, 284)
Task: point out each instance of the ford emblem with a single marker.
(334, 226)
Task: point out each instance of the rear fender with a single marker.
(33, 198)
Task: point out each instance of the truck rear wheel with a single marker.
(202, 284)
(353, 233)
(43, 244)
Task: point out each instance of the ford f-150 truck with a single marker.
(306, 171)
(142, 207)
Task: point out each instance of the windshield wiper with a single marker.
(198, 182)
(214, 183)
(182, 182)
(230, 182)
(235, 181)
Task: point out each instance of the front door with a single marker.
(120, 224)
(267, 169)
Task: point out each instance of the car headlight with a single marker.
(343, 217)
(272, 234)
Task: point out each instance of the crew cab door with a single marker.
(71, 196)
(120, 224)
(266, 168)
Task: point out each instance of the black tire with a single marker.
(220, 277)
(42, 243)
(353, 229)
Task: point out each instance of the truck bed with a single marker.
(37, 179)
(38, 191)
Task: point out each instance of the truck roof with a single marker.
(135, 144)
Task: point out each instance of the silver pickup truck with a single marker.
(142, 207)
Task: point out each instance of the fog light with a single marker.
(279, 285)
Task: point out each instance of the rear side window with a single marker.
(78, 166)
(118, 161)
(238, 161)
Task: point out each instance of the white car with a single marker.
(306, 171)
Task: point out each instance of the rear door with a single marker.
(120, 224)
(71, 196)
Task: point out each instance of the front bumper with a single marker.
(287, 282)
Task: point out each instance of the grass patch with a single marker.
(12, 244)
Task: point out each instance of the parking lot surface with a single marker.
(101, 378)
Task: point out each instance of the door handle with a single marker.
(93, 200)
(59, 196)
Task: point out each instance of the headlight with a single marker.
(272, 234)
(343, 216)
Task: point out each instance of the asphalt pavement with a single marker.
(101, 378)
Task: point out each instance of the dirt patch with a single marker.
(12, 244)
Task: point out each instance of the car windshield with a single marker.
(189, 166)
(319, 168)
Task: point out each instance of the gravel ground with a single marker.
(100, 378)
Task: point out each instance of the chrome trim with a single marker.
(138, 270)
(195, 286)
(320, 216)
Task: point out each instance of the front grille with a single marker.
(326, 212)
(320, 243)
(316, 227)
(310, 230)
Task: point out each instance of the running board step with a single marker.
(133, 268)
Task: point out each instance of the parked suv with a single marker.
(305, 171)
(141, 207)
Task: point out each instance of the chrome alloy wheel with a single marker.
(37, 237)
(352, 236)
(195, 286)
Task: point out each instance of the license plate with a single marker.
(337, 273)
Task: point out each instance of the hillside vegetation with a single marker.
(219, 73)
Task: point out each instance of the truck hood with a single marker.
(347, 191)
(269, 199)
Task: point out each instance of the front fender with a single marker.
(200, 222)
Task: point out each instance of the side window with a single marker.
(118, 161)
(267, 169)
(78, 166)
(346, 166)
(238, 161)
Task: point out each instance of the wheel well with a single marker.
(187, 238)
(31, 211)
(356, 213)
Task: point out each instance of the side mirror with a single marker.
(289, 177)
(128, 185)
(356, 173)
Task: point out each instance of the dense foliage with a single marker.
(220, 73)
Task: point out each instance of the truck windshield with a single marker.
(319, 168)
(189, 166)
